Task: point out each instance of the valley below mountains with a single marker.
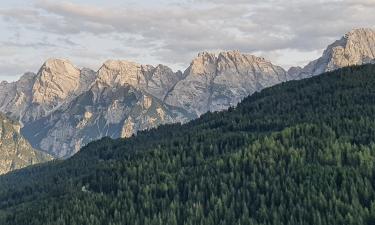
(61, 108)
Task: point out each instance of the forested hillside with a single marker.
(302, 152)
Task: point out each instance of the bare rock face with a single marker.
(193, 92)
(15, 151)
(355, 48)
(114, 111)
(56, 81)
(157, 81)
(62, 108)
(216, 82)
(37, 95)
(162, 81)
(119, 72)
(69, 108)
(75, 109)
(15, 97)
(294, 72)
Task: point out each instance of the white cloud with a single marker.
(174, 33)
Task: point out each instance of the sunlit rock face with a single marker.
(56, 81)
(15, 150)
(61, 108)
(126, 97)
(216, 82)
(357, 47)
(36, 95)
(157, 81)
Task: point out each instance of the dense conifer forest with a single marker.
(302, 152)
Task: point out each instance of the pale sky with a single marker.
(287, 32)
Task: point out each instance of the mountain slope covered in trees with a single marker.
(301, 152)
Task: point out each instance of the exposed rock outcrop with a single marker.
(63, 108)
(216, 82)
(36, 95)
(15, 150)
(157, 81)
(127, 97)
(104, 110)
(357, 47)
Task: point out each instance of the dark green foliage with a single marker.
(302, 152)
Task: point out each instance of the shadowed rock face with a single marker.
(354, 48)
(15, 98)
(15, 150)
(114, 111)
(62, 108)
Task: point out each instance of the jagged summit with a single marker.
(357, 32)
(56, 81)
(227, 54)
(56, 62)
(120, 72)
(217, 81)
(35, 95)
(58, 69)
(114, 63)
(208, 62)
(157, 81)
(204, 63)
(356, 47)
(73, 106)
(236, 54)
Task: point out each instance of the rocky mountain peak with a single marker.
(208, 63)
(359, 32)
(234, 55)
(204, 63)
(62, 65)
(27, 77)
(205, 55)
(124, 97)
(204, 60)
(360, 46)
(157, 81)
(215, 82)
(119, 64)
(161, 67)
(15, 96)
(356, 47)
(56, 79)
(120, 72)
(236, 59)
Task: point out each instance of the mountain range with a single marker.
(301, 152)
(62, 108)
